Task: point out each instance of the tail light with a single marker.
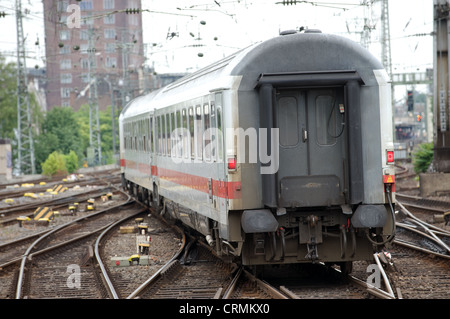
(232, 163)
(390, 157)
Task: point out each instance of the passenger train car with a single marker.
(280, 153)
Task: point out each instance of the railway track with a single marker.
(196, 274)
(41, 272)
(166, 242)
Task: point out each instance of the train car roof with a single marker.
(299, 52)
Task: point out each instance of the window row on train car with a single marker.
(193, 132)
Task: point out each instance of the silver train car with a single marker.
(280, 153)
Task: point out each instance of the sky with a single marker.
(184, 35)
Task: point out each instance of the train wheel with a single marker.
(155, 196)
(346, 267)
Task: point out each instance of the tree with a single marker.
(71, 162)
(422, 157)
(60, 132)
(8, 105)
(8, 98)
(105, 128)
(54, 165)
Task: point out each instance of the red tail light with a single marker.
(390, 157)
(232, 163)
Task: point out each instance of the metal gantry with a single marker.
(441, 161)
(24, 133)
(95, 148)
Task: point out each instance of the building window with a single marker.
(66, 78)
(110, 62)
(64, 35)
(84, 34)
(85, 78)
(108, 4)
(64, 50)
(87, 19)
(65, 93)
(84, 48)
(110, 47)
(62, 5)
(109, 19)
(84, 63)
(65, 64)
(65, 103)
(86, 5)
(110, 33)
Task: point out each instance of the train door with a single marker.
(152, 157)
(219, 188)
(312, 147)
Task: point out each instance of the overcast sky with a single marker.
(218, 28)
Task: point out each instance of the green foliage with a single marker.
(8, 98)
(67, 131)
(54, 165)
(60, 132)
(71, 162)
(422, 157)
(105, 129)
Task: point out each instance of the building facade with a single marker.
(101, 60)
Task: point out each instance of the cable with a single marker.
(391, 237)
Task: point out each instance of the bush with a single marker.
(422, 157)
(55, 164)
(71, 162)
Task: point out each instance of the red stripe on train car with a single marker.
(230, 190)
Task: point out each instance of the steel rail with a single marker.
(135, 293)
(232, 285)
(411, 246)
(36, 242)
(109, 283)
(427, 227)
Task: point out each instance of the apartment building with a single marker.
(101, 60)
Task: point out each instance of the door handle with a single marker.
(304, 135)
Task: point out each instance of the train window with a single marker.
(219, 134)
(172, 129)
(288, 121)
(325, 120)
(207, 131)
(184, 150)
(163, 129)
(138, 136)
(158, 129)
(213, 130)
(178, 126)
(170, 125)
(191, 130)
(198, 132)
(151, 136)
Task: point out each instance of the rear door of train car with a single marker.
(312, 170)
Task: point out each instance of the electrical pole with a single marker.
(25, 144)
(94, 129)
(386, 38)
(441, 16)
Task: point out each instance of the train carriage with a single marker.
(280, 153)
